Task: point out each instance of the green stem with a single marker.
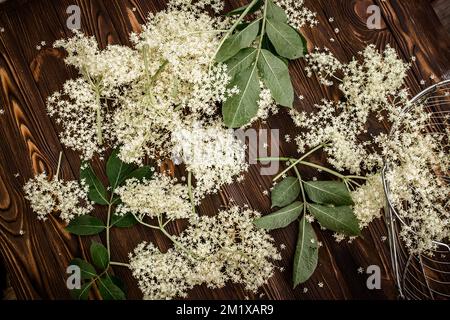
(191, 196)
(99, 119)
(294, 164)
(158, 72)
(357, 177)
(275, 159)
(176, 243)
(149, 79)
(322, 168)
(108, 226)
(231, 30)
(120, 264)
(144, 224)
(305, 203)
(59, 165)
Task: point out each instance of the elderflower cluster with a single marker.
(212, 251)
(368, 200)
(298, 14)
(134, 98)
(153, 198)
(68, 198)
(211, 153)
(371, 86)
(197, 5)
(417, 179)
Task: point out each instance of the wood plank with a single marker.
(37, 260)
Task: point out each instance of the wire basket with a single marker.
(421, 276)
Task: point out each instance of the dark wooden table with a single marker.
(36, 261)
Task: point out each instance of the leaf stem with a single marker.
(176, 243)
(294, 164)
(149, 79)
(108, 226)
(59, 165)
(145, 224)
(191, 196)
(99, 116)
(322, 168)
(120, 264)
(300, 180)
(231, 30)
(158, 72)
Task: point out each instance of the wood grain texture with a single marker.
(36, 261)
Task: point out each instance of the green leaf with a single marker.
(243, 60)
(140, 174)
(238, 41)
(276, 13)
(118, 283)
(281, 218)
(275, 75)
(240, 10)
(117, 170)
(85, 226)
(328, 192)
(338, 219)
(86, 269)
(97, 191)
(240, 108)
(82, 293)
(99, 256)
(108, 290)
(125, 221)
(285, 192)
(306, 253)
(286, 40)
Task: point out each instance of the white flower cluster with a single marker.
(213, 154)
(371, 87)
(68, 198)
(200, 5)
(373, 91)
(134, 98)
(297, 13)
(153, 198)
(418, 185)
(212, 251)
(368, 200)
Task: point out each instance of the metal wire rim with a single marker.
(386, 165)
(417, 275)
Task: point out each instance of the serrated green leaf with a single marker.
(117, 170)
(99, 256)
(276, 13)
(240, 108)
(286, 40)
(275, 75)
(281, 218)
(328, 192)
(85, 226)
(108, 290)
(86, 269)
(337, 219)
(240, 10)
(285, 192)
(97, 192)
(243, 60)
(238, 41)
(306, 253)
(125, 221)
(82, 293)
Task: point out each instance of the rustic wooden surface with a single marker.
(36, 261)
